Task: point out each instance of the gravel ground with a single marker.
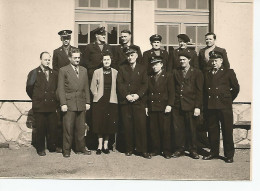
(25, 163)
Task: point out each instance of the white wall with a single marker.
(28, 27)
(233, 25)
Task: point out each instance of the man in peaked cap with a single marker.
(188, 91)
(221, 87)
(61, 59)
(156, 50)
(174, 63)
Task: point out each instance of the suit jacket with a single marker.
(147, 58)
(132, 82)
(160, 92)
(205, 66)
(41, 91)
(189, 90)
(174, 62)
(60, 58)
(97, 85)
(73, 91)
(120, 58)
(221, 88)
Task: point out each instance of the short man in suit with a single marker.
(119, 51)
(60, 59)
(41, 87)
(204, 62)
(159, 106)
(132, 84)
(221, 88)
(73, 92)
(93, 53)
(188, 86)
(156, 50)
(174, 61)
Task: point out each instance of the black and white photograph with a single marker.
(112, 94)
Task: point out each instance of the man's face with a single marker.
(157, 67)
(101, 37)
(210, 41)
(156, 44)
(217, 63)
(46, 60)
(125, 37)
(65, 40)
(185, 62)
(182, 44)
(75, 58)
(106, 61)
(132, 57)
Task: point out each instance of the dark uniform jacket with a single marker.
(60, 58)
(160, 92)
(205, 66)
(132, 82)
(120, 58)
(174, 61)
(73, 91)
(221, 88)
(41, 91)
(189, 90)
(149, 54)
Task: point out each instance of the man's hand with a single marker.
(135, 96)
(146, 111)
(196, 112)
(130, 98)
(168, 109)
(87, 106)
(64, 108)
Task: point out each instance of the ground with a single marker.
(25, 163)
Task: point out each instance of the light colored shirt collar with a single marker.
(133, 65)
(187, 68)
(43, 69)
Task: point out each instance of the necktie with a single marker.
(46, 74)
(214, 72)
(184, 72)
(132, 66)
(77, 72)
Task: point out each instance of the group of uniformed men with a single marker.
(168, 89)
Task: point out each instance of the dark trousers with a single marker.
(60, 128)
(46, 127)
(134, 122)
(225, 117)
(184, 130)
(160, 131)
(74, 127)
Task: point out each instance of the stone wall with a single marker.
(16, 124)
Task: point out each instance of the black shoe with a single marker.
(98, 152)
(210, 157)
(154, 154)
(58, 150)
(178, 154)
(86, 152)
(66, 155)
(167, 156)
(146, 155)
(106, 151)
(194, 155)
(129, 153)
(41, 153)
(229, 160)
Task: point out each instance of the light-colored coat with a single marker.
(97, 85)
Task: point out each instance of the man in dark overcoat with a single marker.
(156, 50)
(221, 88)
(41, 87)
(73, 92)
(132, 86)
(174, 61)
(188, 86)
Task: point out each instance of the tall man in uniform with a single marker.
(221, 88)
(156, 50)
(41, 87)
(132, 84)
(73, 92)
(60, 59)
(174, 61)
(188, 86)
(119, 51)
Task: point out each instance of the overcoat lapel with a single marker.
(72, 73)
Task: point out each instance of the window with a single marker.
(182, 4)
(119, 3)
(172, 4)
(89, 3)
(197, 4)
(103, 3)
(197, 35)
